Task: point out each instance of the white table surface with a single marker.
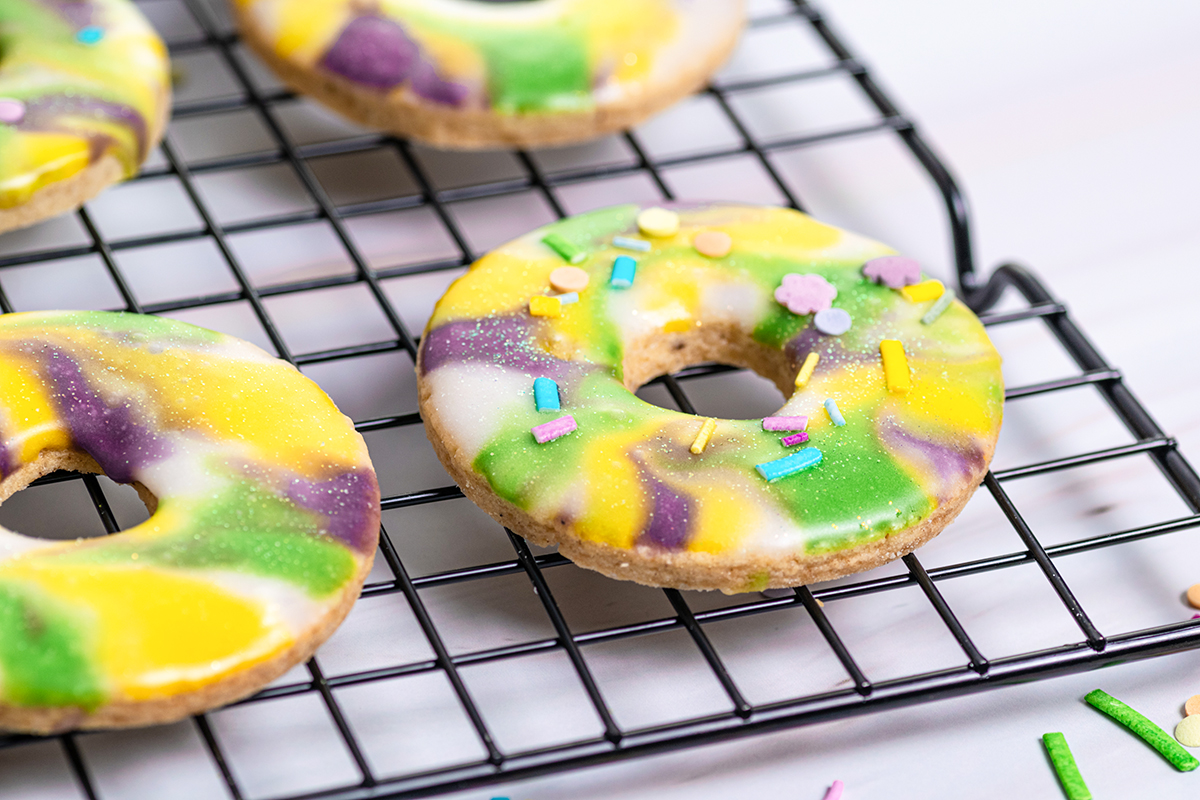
(1071, 126)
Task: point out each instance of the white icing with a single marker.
(481, 396)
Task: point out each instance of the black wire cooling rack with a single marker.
(488, 760)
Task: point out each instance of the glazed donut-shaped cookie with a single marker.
(84, 96)
(895, 396)
(264, 525)
(472, 74)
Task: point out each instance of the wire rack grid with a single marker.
(348, 702)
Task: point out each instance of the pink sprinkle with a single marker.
(805, 294)
(1195, 616)
(549, 431)
(893, 271)
(835, 791)
(11, 111)
(785, 423)
(795, 438)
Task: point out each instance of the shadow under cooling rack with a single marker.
(473, 658)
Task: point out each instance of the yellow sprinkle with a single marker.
(678, 326)
(701, 440)
(925, 290)
(806, 371)
(658, 222)
(543, 306)
(895, 366)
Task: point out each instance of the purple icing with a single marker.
(373, 51)
(427, 84)
(53, 112)
(107, 433)
(79, 13)
(6, 465)
(667, 527)
(501, 341)
(347, 502)
(952, 465)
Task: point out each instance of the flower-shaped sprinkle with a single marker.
(805, 294)
(893, 271)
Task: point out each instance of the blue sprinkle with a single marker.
(835, 416)
(90, 35)
(567, 298)
(789, 465)
(545, 394)
(628, 243)
(624, 268)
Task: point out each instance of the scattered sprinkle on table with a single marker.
(924, 291)
(1192, 706)
(703, 437)
(624, 270)
(1188, 731)
(542, 306)
(895, 366)
(1064, 765)
(832, 321)
(714, 244)
(835, 791)
(569, 279)
(570, 251)
(545, 394)
(789, 465)
(1193, 596)
(938, 308)
(630, 243)
(555, 429)
(794, 439)
(11, 111)
(1150, 733)
(835, 416)
(785, 423)
(806, 371)
(658, 222)
(90, 34)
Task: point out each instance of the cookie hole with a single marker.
(725, 392)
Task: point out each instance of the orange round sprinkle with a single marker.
(569, 279)
(1192, 706)
(714, 244)
(1193, 596)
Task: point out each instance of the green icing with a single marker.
(246, 528)
(44, 659)
(136, 327)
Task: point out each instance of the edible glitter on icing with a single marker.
(545, 394)
(832, 321)
(938, 308)
(805, 294)
(555, 429)
(630, 243)
(785, 423)
(790, 464)
(893, 271)
(624, 270)
(835, 415)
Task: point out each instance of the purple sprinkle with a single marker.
(549, 431)
(893, 271)
(785, 423)
(795, 438)
(833, 321)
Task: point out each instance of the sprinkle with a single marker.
(569, 279)
(1150, 733)
(931, 289)
(789, 465)
(714, 244)
(629, 243)
(1187, 732)
(658, 222)
(835, 790)
(678, 326)
(833, 321)
(794, 439)
(806, 371)
(90, 34)
(568, 250)
(785, 423)
(568, 298)
(805, 294)
(11, 111)
(1193, 596)
(624, 268)
(1064, 764)
(937, 308)
(835, 416)
(1192, 706)
(895, 366)
(703, 437)
(549, 431)
(542, 306)
(545, 394)
(893, 271)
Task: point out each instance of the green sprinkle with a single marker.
(1150, 733)
(938, 307)
(1064, 764)
(568, 250)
